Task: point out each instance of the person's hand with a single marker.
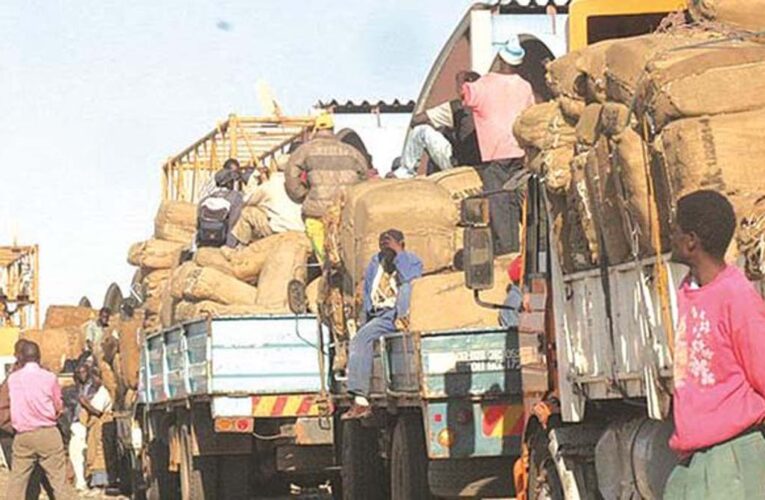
(83, 400)
(388, 256)
(391, 243)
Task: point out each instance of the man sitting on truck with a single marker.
(457, 145)
(387, 289)
(497, 99)
(95, 333)
(317, 172)
(719, 374)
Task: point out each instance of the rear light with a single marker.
(446, 438)
(229, 424)
(437, 418)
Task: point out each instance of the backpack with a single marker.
(213, 220)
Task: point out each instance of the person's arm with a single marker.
(296, 189)
(408, 265)
(747, 335)
(440, 116)
(472, 97)
(58, 402)
(369, 276)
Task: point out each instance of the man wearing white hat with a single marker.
(497, 99)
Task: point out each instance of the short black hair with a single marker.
(231, 163)
(710, 216)
(30, 352)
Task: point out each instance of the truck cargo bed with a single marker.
(264, 354)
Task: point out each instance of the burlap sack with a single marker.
(153, 280)
(155, 254)
(626, 60)
(129, 350)
(176, 221)
(744, 14)
(722, 152)
(443, 302)
(56, 345)
(571, 108)
(186, 311)
(579, 199)
(588, 128)
(312, 291)
(63, 316)
(555, 166)
(179, 277)
(543, 126)
(167, 306)
(722, 78)
(152, 304)
(422, 210)
(206, 283)
(244, 263)
(286, 263)
(614, 118)
(460, 182)
(564, 78)
(592, 64)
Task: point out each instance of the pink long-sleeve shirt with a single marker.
(496, 101)
(35, 398)
(719, 362)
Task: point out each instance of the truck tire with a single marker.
(475, 477)
(363, 474)
(544, 482)
(163, 484)
(234, 476)
(409, 460)
(113, 298)
(198, 476)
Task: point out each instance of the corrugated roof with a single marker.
(367, 106)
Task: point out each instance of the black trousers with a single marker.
(505, 208)
(111, 454)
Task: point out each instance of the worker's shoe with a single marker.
(296, 297)
(357, 412)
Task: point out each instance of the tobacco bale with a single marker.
(155, 254)
(588, 128)
(460, 182)
(176, 221)
(63, 316)
(286, 263)
(207, 283)
(543, 126)
(744, 14)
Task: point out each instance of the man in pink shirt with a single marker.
(719, 361)
(35, 407)
(496, 100)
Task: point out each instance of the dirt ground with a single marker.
(313, 495)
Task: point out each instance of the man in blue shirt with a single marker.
(387, 290)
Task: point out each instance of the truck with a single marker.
(454, 410)
(600, 340)
(232, 405)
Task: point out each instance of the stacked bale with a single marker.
(652, 126)
(174, 227)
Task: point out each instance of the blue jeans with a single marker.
(361, 351)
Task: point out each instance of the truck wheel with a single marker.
(363, 472)
(474, 477)
(234, 477)
(163, 484)
(113, 298)
(198, 475)
(409, 460)
(544, 483)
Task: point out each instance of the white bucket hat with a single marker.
(512, 52)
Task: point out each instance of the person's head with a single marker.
(29, 352)
(511, 55)
(82, 373)
(390, 236)
(103, 316)
(95, 377)
(17, 348)
(226, 178)
(350, 137)
(515, 270)
(464, 77)
(703, 228)
(232, 164)
(324, 123)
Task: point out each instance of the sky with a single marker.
(95, 95)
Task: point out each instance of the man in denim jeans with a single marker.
(387, 290)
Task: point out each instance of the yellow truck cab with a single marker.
(19, 299)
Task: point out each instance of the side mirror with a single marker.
(478, 259)
(474, 212)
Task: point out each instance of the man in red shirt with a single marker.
(496, 100)
(35, 407)
(719, 373)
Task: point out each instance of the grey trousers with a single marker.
(362, 351)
